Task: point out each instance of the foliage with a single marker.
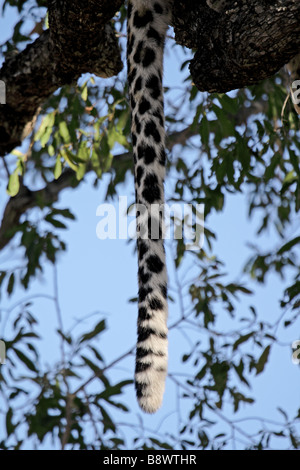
(247, 146)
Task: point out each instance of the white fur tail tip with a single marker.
(150, 387)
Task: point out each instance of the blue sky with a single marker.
(100, 276)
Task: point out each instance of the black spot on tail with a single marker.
(145, 333)
(133, 139)
(143, 292)
(164, 290)
(155, 304)
(162, 157)
(149, 57)
(143, 276)
(153, 34)
(143, 249)
(131, 75)
(140, 388)
(143, 314)
(151, 192)
(155, 86)
(137, 55)
(129, 10)
(140, 21)
(154, 264)
(144, 106)
(151, 130)
(139, 174)
(142, 366)
(157, 8)
(138, 85)
(137, 124)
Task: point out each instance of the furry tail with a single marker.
(147, 24)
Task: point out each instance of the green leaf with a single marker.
(242, 339)
(81, 171)
(64, 213)
(287, 246)
(84, 92)
(230, 105)
(295, 161)
(11, 282)
(294, 441)
(204, 130)
(58, 167)
(262, 360)
(9, 426)
(107, 421)
(25, 359)
(69, 158)
(64, 132)
(97, 354)
(45, 137)
(112, 390)
(51, 150)
(91, 364)
(114, 136)
(83, 153)
(270, 169)
(160, 445)
(283, 413)
(2, 276)
(45, 128)
(66, 338)
(239, 370)
(290, 177)
(56, 223)
(98, 328)
(185, 357)
(13, 183)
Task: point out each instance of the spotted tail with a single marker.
(147, 24)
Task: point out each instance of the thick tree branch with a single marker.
(249, 41)
(79, 41)
(27, 199)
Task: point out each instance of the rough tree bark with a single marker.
(79, 40)
(247, 42)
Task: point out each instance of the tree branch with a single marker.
(27, 199)
(79, 40)
(247, 42)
